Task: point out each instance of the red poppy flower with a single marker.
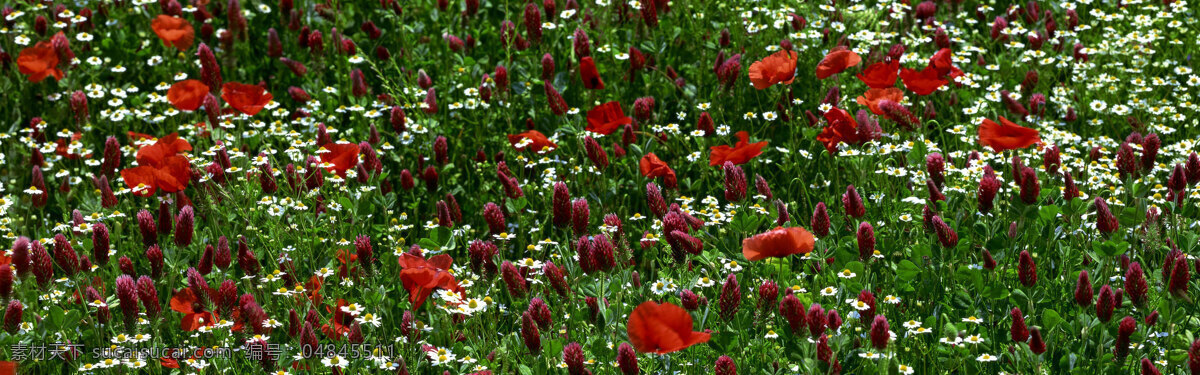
(653, 167)
(662, 329)
(778, 243)
(173, 31)
(779, 67)
(836, 61)
(924, 82)
(607, 118)
(872, 98)
(943, 62)
(160, 167)
(741, 152)
(420, 276)
(536, 141)
(340, 157)
(39, 62)
(194, 316)
(589, 74)
(63, 148)
(8, 368)
(880, 75)
(1006, 135)
(248, 99)
(840, 127)
(187, 95)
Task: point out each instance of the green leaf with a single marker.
(907, 271)
(1050, 319)
(56, 318)
(1049, 213)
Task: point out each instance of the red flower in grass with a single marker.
(194, 316)
(943, 62)
(39, 62)
(187, 95)
(174, 31)
(836, 61)
(743, 151)
(880, 75)
(532, 140)
(778, 243)
(662, 329)
(872, 97)
(840, 128)
(248, 99)
(589, 74)
(339, 157)
(607, 118)
(779, 67)
(421, 276)
(922, 82)
(160, 166)
(1006, 135)
(653, 167)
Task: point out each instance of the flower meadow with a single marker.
(599, 187)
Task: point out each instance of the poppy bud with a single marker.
(731, 297)
(580, 216)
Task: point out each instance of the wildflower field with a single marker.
(599, 187)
